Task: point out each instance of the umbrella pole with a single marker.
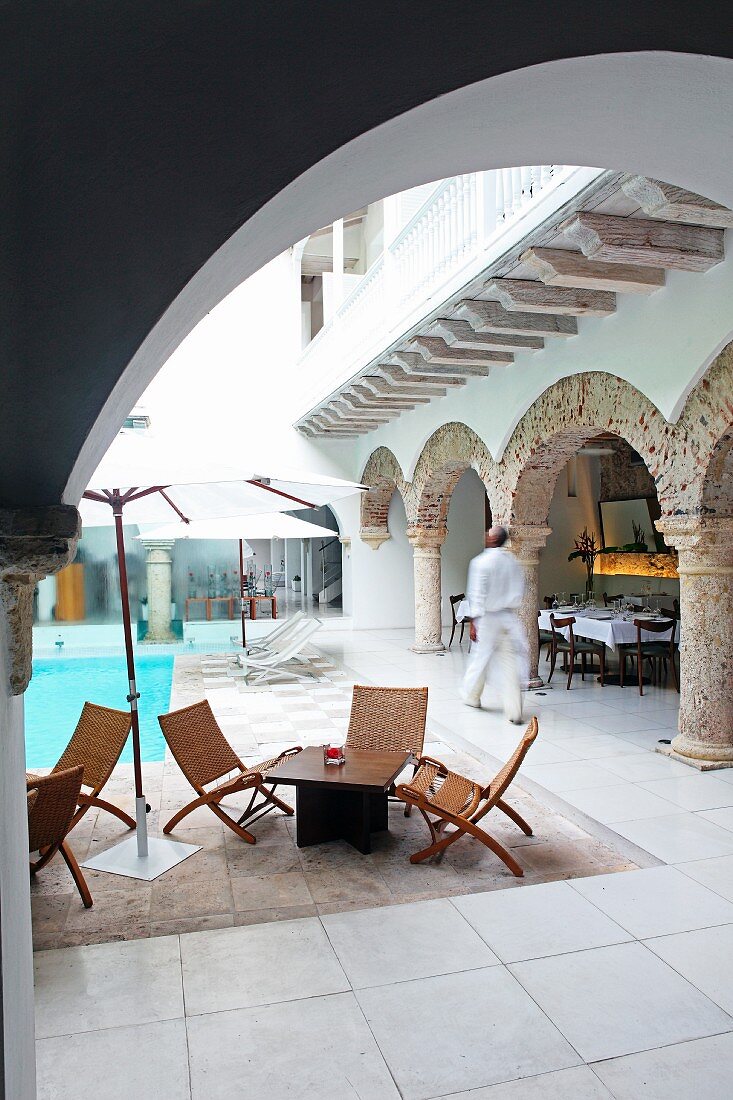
(241, 591)
(134, 695)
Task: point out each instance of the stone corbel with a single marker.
(526, 540)
(374, 536)
(346, 544)
(34, 543)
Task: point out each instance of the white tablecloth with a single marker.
(612, 632)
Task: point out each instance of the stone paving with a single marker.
(232, 883)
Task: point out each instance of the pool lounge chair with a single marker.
(276, 638)
(204, 755)
(446, 798)
(52, 801)
(96, 745)
(282, 664)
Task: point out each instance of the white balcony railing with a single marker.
(466, 222)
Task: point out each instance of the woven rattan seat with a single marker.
(52, 803)
(388, 719)
(205, 757)
(445, 798)
(96, 745)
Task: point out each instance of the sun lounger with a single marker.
(282, 664)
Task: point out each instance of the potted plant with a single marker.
(587, 551)
(295, 583)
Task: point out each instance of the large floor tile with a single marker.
(705, 958)
(621, 722)
(623, 802)
(319, 1049)
(678, 838)
(537, 920)
(578, 1083)
(642, 766)
(693, 792)
(148, 1060)
(618, 1000)
(403, 942)
(599, 746)
(698, 1070)
(722, 817)
(716, 874)
(568, 777)
(462, 1031)
(107, 985)
(258, 965)
(656, 901)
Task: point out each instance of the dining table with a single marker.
(605, 625)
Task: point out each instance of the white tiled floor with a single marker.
(612, 986)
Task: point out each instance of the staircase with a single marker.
(330, 590)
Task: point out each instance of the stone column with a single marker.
(159, 565)
(526, 541)
(705, 548)
(426, 543)
(33, 543)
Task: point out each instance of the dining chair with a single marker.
(204, 755)
(544, 638)
(647, 650)
(572, 646)
(52, 803)
(388, 719)
(96, 745)
(549, 600)
(454, 601)
(447, 798)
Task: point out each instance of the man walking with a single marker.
(494, 594)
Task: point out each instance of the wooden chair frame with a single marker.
(388, 719)
(204, 755)
(52, 800)
(453, 601)
(446, 798)
(642, 651)
(571, 647)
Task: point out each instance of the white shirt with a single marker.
(495, 583)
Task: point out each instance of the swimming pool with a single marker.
(60, 686)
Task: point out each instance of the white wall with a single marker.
(465, 538)
(568, 517)
(383, 589)
(17, 1055)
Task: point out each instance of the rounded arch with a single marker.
(681, 104)
(704, 437)
(561, 421)
(451, 450)
(383, 474)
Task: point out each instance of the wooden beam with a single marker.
(459, 334)
(365, 416)
(558, 267)
(405, 390)
(524, 296)
(645, 242)
(674, 204)
(490, 316)
(413, 361)
(358, 404)
(436, 350)
(390, 399)
(433, 382)
(327, 427)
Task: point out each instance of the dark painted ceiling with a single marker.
(143, 134)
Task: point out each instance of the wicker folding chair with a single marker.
(96, 744)
(446, 798)
(204, 755)
(52, 802)
(388, 719)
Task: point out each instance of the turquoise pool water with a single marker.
(60, 686)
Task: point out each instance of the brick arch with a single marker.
(560, 422)
(449, 452)
(704, 443)
(383, 474)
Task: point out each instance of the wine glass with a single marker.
(555, 604)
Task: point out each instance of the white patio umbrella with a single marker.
(150, 484)
(274, 525)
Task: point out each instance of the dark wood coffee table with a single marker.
(345, 802)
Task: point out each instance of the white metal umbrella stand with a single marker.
(140, 856)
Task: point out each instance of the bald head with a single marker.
(495, 537)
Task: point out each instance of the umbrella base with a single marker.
(123, 858)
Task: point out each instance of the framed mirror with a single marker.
(618, 519)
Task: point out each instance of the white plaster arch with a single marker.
(571, 111)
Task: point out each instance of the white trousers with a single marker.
(500, 639)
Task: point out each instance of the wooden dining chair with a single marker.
(96, 745)
(445, 798)
(656, 653)
(204, 755)
(572, 646)
(454, 601)
(52, 802)
(388, 719)
(544, 638)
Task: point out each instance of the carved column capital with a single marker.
(427, 538)
(159, 549)
(704, 543)
(374, 536)
(527, 539)
(34, 542)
